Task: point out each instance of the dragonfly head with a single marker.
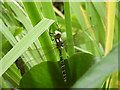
(57, 34)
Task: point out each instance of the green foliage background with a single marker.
(87, 27)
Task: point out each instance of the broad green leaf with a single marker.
(95, 77)
(79, 64)
(21, 46)
(49, 75)
(43, 75)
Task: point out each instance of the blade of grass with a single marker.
(100, 8)
(116, 33)
(114, 82)
(21, 15)
(10, 12)
(96, 20)
(21, 46)
(95, 50)
(84, 22)
(70, 48)
(110, 21)
(88, 23)
(12, 73)
(8, 34)
(23, 18)
(80, 17)
(7, 16)
(75, 7)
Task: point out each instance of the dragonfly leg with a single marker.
(51, 35)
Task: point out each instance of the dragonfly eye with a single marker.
(57, 32)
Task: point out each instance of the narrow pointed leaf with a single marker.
(96, 76)
(21, 46)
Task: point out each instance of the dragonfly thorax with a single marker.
(58, 40)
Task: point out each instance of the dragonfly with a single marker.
(60, 45)
(37, 49)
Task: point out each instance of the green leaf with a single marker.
(43, 75)
(21, 46)
(96, 76)
(79, 64)
(49, 75)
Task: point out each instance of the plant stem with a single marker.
(110, 19)
(69, 29)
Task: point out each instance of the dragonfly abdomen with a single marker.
(63, 69)
(59, 44)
